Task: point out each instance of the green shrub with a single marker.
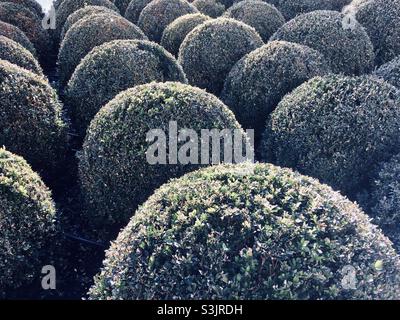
(67, 7)
(31, 123)
(263, 17)
(158, 14)
(211, 8)
(260, 80)
(177, 31)
(89, 32)
(114, 171)
(30, 24)
(210, 51)
(390, 72)
(26, 222)
(32, 5)
(270, 234)
(349, 51)
(385, 199)
(114, 67)
(79, 14)
(381, 19)
(121, 5)
(17, 54)
(14, 33)
(335, 129)
(134, 9)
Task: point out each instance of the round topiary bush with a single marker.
(29, 23)
(270, 234)
(31, 123)
(335, 129)
(12, 32)
(32, 5)
(211, 8)
(89, 32)
(67, 7)
(348, 51)
(134, 9)
(122, 64)
(385, 199)
(210, 51)
(27, 225)
(263, 17)
(158, 14)
(260, 79)
(17, 54)
(79, 14)
(115, 173)
(177, 31)
(381, 19)
(390, 72)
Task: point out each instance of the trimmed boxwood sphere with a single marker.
(134, 9)
(114, 172)
(27, 225)
(177, 31)
(79, 14)
(14, 33)
(210, 51)
(263, 17)
(89, 32)
(381, 20)
(17, 54)
(29, 4)
(67, 7)
(31, 123)
(348, 51)
(114, 67)
(158, 14)
(390, 72)
(336, 129)
(211, 8)
(260, 80)
(29, 23)
(385, 199)
(269, 234)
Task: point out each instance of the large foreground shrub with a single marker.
(336, 129)
(220, 233)
(115, 173)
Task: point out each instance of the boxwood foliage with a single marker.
(349, 51)
(158, 14)
(27, 225)
(269, 234)
(381, 19)
(265, 18)
(114, 67)
(17, 54)
(114, 172)
(390, 72)
(89, 32)
(336, 129)
(31, 123)
(258, 82)
(211, 8)
(30, 24)
(14, 33)
(210, 51)
(32, 5)
(121, 5)
(134, 9)
(67, 7)
(177, 31)
(79, 14)
(384, 199)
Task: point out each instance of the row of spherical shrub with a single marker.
(99, 162)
